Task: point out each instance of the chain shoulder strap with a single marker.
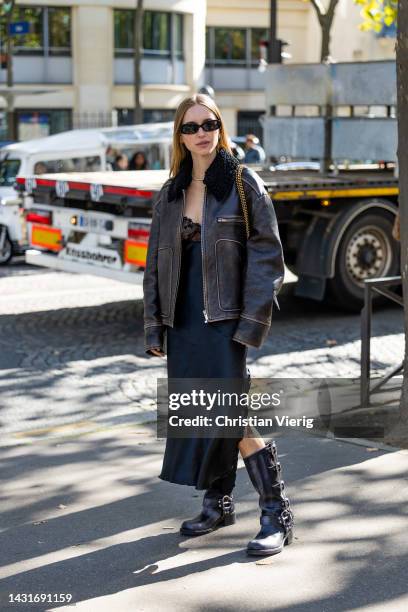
(242, 198)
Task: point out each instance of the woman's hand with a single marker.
(157, 351)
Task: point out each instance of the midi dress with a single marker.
(196, 349)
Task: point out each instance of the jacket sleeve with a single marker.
(153, 327)
(263, 274)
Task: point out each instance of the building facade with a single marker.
(79, 54)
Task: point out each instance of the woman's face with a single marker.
(201, 143)
(140, 159)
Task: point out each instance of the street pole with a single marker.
(273, 43)
(8, 8)
(274, 48)
(138, 44)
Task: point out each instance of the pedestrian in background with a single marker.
(121, 162)
(236, 150)
(254, 153)
(208, 290)
(138, 161)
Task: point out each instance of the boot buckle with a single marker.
(281, 485)
(286, 518)
(278, 472)
(273, 452)
(226, 504)
(285, 503)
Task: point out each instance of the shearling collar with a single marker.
(219, 177)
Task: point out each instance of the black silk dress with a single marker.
(196, 349)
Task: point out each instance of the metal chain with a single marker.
(242, 198)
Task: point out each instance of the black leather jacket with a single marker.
(240, 277)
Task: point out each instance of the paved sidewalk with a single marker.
(88, 516)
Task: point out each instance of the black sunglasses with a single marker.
(209, 125)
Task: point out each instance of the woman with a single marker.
(121, 162)
(208, 295)
(138, 161)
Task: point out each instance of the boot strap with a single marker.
(285, 519)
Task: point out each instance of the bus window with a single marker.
(75, 164)
(8, 171)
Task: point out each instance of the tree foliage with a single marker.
(377, 13)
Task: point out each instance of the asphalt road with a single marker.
(71, 350)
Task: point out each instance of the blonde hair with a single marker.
(180, 151)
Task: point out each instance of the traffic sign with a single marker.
(20, 27)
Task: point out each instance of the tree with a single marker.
(402, 113)
(325, 18)
(138, 43)
(377, 13)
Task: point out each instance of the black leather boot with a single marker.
(277, 518)
(218, 508)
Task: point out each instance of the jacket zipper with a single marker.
(179, 261)
(205, 311)
(230, 220)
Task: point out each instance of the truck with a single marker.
(336, 221)
(80, 150)
(92, 222)
(336, 195)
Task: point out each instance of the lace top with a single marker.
(190, 230)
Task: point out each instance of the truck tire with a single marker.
(6, 252)
(367, 250)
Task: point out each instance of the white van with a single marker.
(73, 151)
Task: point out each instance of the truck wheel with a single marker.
(367, 250)
(6, 251)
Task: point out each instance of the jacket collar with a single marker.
(219, 177)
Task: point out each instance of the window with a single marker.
(150, 115)
(29, 42)
(229, 45)
(248, 123)
(75, 164)
(123, 26)
(162, 32)
(257, 34)
(50, 31)
(59, 27)
(178, 34)
(8, 171)
(156, 31)
(39, 123)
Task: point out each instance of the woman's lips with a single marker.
(200, 144)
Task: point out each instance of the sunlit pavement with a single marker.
(84, 512)
(90, 517)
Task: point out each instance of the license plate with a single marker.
(107, 258)
(91, 223)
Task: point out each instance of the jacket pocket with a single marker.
(164, 276)
(229, 262)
